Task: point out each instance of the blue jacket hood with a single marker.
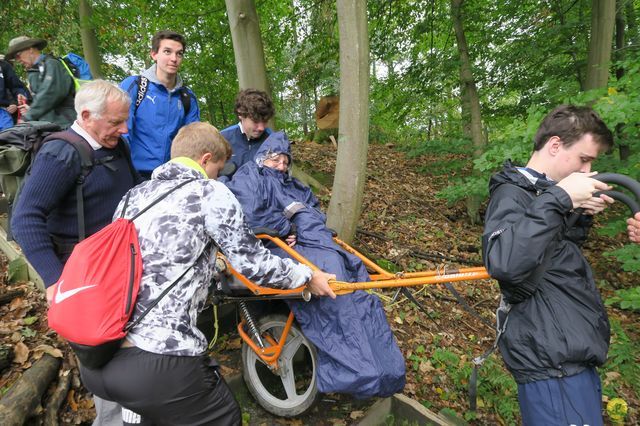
(276, 143)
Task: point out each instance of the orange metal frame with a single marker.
(380, 279)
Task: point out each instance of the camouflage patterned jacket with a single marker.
(173, 235)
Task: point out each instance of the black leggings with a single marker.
(165, 389)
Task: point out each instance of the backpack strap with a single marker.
(156, 201)
(170, 287)
(143, 85)
(85, 151)
(185, 97)
(124, 149)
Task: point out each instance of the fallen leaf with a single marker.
(46, 349)
(71, 401)
(356, 414)
(29, 320)
(20, 353)
(16, 303)
(426, 366)
(398, 320)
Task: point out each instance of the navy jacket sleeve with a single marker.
(52, 177)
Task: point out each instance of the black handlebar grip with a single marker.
(622, 180)
(623, 198)
(617, 179)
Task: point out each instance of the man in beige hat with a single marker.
(51, 85)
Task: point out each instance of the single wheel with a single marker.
(291, 390)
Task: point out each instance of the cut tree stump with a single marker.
(25, 394)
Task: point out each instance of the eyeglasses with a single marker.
(278, 162)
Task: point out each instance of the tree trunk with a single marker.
(620, 26)
(623, 146)
(247, 44)
(25, 394)
(603, 14)
(89, 39)
(470, 102)
(353, 134)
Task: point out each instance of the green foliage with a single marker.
(497, 391)
(628, 255)
(626, 299)
(28, 332)
(622, 361)
(388, 265)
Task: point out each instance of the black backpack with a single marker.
(18, 146)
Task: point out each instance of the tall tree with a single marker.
(247, 44)
(470, 101)
(603, 13)
(89, 39)
(353, 134)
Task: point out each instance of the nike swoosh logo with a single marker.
(61, 296)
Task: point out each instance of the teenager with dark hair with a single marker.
(254, 109)
(557, 330)
(160, 105)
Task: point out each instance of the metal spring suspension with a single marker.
(244, 312)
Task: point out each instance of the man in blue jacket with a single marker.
(557, 330)
(254, 109)
(160, 105)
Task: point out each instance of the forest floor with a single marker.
(406, 226)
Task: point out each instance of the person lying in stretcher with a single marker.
(357, 352)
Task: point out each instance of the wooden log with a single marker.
(25, 394)
(10, 295)
(56, 399)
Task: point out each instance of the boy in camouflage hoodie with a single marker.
(162, 372)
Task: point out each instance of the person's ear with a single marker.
(205, 159)
(553, 145)
(153, 55)
(85, 115)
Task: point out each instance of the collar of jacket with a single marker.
(150, 73)
(510, 174)
(192, 164)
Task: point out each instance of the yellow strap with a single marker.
(76, 83)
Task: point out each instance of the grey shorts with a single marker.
(164, 389)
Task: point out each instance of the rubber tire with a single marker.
(272, 403)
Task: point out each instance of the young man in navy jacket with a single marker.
(254, 109)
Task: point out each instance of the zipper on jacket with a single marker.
(132, 274)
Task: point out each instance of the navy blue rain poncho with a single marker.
(357, 352)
